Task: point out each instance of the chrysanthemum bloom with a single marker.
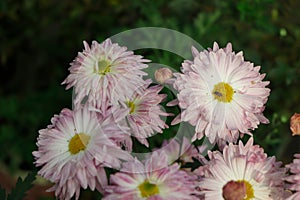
(141, 112)
(183, 151)
(295, 124)
(74, 149)
(241, 172)
(221, 94)
(104, 72)
(153, 181)
(294, 178)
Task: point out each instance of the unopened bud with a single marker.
(163, 74)
(295, 124)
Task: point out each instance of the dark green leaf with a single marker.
(2, 193)
(22, 186)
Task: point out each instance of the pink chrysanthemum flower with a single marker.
(294, 178)
(221, 94)
(141, 112)
(104, 72)
(241, 172)
(153, 181)
(74, 149)
(183, 151)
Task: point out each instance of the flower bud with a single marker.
(295, 124)
(163, 74)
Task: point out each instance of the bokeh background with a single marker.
(39, 38)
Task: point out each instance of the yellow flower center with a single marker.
(223, 92)
(249, 190)
(78, 142)
(132, 106)
(148, 189)
(103, 67)
(238, 190)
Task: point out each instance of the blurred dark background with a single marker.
(39, 38)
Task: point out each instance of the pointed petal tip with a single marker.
(215, 46)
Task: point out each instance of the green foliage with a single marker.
(39, 38)
(22, 186)
(2, 193)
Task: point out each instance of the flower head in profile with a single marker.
(221, 94)
(242, 172)
(74, 149)
(294, 177)
(142, 112)
(183, 151)
(152, 180)
(104, 72)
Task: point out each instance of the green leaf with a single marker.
(22, 186)
(2, 193)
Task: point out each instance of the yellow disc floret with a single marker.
(249, 190)
(131, 105)
(223, 92)
(103, 67)
(78, 142)
(148, 189)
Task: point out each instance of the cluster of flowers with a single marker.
(220, 94)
